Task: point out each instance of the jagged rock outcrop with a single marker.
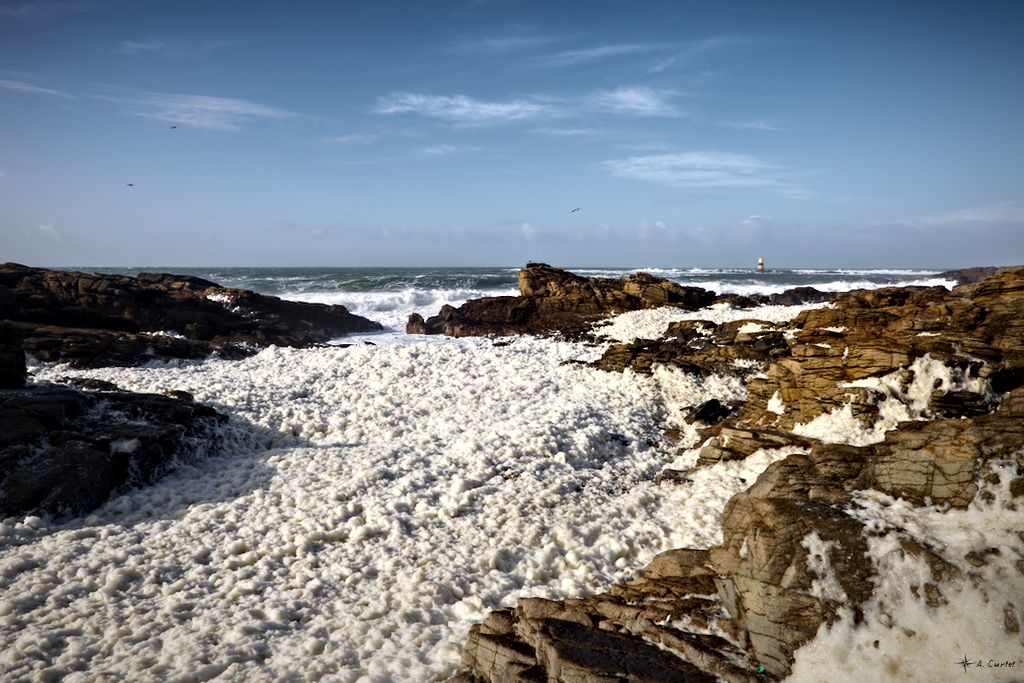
(700, 347)
(90, 320)
(552, 300)
(946, 352)
(555, 300)
(968, 276)
(64, 451)
(935, 382)
(790, 297)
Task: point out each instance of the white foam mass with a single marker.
(755, 286)
(651, 323)
(395, 496)
(897, 402)
(900, 637)
(391, 308)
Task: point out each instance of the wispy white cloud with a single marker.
(21, 86)
(699, 48)
(49, 231)
(448, 150)
(1000, 212)
(462, 109)
(644, 146)
(701, 169)
(377, 161)
(200, 111)
(591, 54)
(353, 139)
(566, 132)
(28, 11)
(131, 47)
(654, 230)
(755, 124)
(169, 47)
(757, 221)
(513, 39)
(636, 100)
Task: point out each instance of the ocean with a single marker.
(389, 295)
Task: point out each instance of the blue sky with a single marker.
(464, 132)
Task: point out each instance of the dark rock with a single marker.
(90, 383)
(969, 276)
(801, 295)
(700, 347)
(416, 325)
(790, 297)
(743, 300)
(710, 412)
(91, 320)
(553, 300)
(64, 451)
(12, 359)
(960, 404)
(537, 642)
(672, 476)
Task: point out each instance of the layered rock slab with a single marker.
(554, 300)
(795, 556)
(90, 320)
(63, 451)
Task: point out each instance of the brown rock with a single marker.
(553, 300)
(90, 320)
(791, 556)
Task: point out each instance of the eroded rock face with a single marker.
(91, 320)
(701, 347)
(555, 300)
(938, 376)
(64, 451)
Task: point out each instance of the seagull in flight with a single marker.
(173, 127)
(575, 210)
(131, 184)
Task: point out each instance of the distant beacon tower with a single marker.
(760, 264)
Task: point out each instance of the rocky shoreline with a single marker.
(94, 320)
(932, 380)
(554, 301)
(908, 398)
(65, 449)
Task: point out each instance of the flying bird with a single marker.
(173, 127)
(131, 184)
(575, 210)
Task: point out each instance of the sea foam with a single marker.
(397, 493)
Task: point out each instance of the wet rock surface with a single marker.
(934, 382)
(63, 451)
(554, 300)
(91, 320)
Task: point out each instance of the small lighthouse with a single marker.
(760, 264)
